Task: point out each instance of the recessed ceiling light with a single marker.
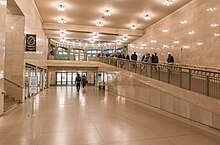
(62, 34)
(216, 34)
(99, 24)
(186, 46)
(95, 35)
(167, 2)
(107, 12)
(199, 43)
(62, 39)
(165, 46)
(62, 21)
(92, 41)
(191, 32)
(153, 41)
(183, 22)
(119, 42)
(176, 42)
(165, 30)
(133, 27)
(147, 17)
(214, 25)
(211, 9)
(61, 7)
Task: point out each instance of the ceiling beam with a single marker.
(78, 28)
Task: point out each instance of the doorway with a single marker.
(67, 78)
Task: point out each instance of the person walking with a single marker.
(78, 81)
(84, 81)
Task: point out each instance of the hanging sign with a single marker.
(33, 84)
(31, 42)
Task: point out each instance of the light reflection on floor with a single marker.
(93, 117)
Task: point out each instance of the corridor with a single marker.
(93, 117)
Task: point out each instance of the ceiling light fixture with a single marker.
(107, 12)
(63, 40)
(147, 17)
(133, 27)
(92, 41)
(62, 34)
(216, 34)
(99, 24)
(61, 7)
(183, 22)
(165, 30)
(95, 35)
(191, 33)
(176, 42)
(186, 46)
(119, 42)
(153, 41)
(214, 25)
(125, 37)
(62, 21)
(211, 9)
(167, 2)
(199, 43)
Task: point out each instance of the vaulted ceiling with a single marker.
(82, 15)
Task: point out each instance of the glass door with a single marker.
(64, 78)
(59, 80)
(69, 78)
(74, 78)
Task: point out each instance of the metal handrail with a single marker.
(201, 80)
(208, 69)
(19, 86)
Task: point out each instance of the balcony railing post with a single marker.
(158, 72)
(109, 61)
(207, 85)
(140, 68)
(129, 66)
(151, 70)
(181, 78)
(169, 75)
(190, 77)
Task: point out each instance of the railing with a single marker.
(200, 80)
(19, 86)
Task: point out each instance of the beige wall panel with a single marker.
(201, 48)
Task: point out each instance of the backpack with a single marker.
(78, 79)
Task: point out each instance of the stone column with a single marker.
(14, 57)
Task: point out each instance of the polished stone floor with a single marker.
(93, 117)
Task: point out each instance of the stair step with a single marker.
(9, 103)
(8, 100)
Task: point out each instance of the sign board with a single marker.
(33, 90)
(31, 42)
(33, 84)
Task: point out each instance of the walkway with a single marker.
(93, 117)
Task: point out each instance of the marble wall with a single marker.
(163, 98)
(33, 25)
(14, 56)
(2, 50)
(191, 34)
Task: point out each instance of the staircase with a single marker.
(9, 102)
